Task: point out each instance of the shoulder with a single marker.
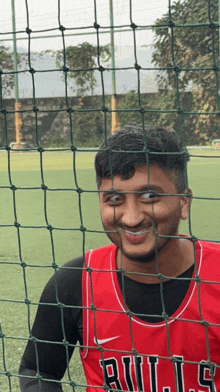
(210, 250)
(66, 281)
(101, 253)
(209, 246)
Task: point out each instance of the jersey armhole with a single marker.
(85, 304)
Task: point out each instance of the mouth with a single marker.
(136, 236)
(137, 233)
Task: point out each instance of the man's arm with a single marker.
(46, 354)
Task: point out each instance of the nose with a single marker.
(132, 215)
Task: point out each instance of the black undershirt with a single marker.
(142, 299)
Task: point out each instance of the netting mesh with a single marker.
(50, 211)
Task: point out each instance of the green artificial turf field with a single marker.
(60, 209)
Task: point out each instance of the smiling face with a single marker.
(141, 208)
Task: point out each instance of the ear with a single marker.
(185, 202)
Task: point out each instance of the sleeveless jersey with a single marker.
(122, 352)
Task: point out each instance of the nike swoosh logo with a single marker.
(102, 341)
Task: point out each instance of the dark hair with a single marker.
(132, 146)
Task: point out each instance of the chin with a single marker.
(140, 257)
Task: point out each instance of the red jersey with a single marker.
(123, 352)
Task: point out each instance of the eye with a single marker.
(148, 196)
(115, 199)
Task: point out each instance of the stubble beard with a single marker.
(149, 257)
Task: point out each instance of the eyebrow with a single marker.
(144, 188)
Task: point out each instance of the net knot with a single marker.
(198, 279)
(70, 110)
(28, 31)
(161, 276)
(13, 188)
(49, 227)
(171, 24)
(129, 313)
(82, 228)
(60, 305)
(93, 307)
(73, 148)
(104, 109)
(44, 187)
(180, 110)
(62, 28)
(7, 148)
(27, 301)
(212, 25)
(40, 149)
(101, 68)
(73, 384)
(141, 110)
(65, 342)
(79, 190)
(65, 69)
(176, 69)
(134, 351)
(32, 70)
(133, 25)
(215, 68)
(4, 111)
(33, 339)
(7, 373)
(38, 376)
(16, 224)
(23, 264)
(137, 66)
(165, 315)
(96, 25)
(89, 269)
(35, 110)
(193, 238)
(205, 323)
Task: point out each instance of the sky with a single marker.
(43, 17)
(78, 17)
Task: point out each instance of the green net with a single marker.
(49, 204)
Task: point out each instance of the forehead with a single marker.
(155, 177)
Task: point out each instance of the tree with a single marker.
(191, 59)
(6, 84)
(131, 106)
(6, 65)
(82, 60)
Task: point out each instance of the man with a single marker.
(144, 309)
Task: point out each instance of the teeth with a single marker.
(137, 232)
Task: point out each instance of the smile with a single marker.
(136, 233)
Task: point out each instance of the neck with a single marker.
(172, 260)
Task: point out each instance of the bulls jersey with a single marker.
(122, 352)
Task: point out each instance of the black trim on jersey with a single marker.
(142, 299)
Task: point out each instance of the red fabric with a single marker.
(172, 356)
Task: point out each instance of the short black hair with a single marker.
(132, 146)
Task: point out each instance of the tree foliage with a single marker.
(82, 61)
(189, 58)
(6, 65)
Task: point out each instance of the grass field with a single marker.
(62, 212)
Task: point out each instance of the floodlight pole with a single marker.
(115, 120)
(18, 119)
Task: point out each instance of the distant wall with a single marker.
(53, 120)
(52, 125)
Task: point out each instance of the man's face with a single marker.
(141, 208)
